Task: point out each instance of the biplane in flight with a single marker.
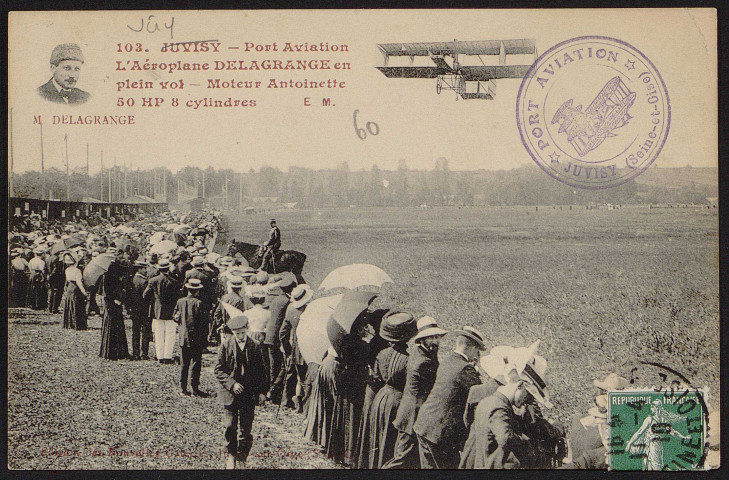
(459, 66)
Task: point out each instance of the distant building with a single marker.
(192, 204)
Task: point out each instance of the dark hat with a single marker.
(473, 334)
(398, 327)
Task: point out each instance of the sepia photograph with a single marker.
(363, 239)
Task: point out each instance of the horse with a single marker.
(283, 261)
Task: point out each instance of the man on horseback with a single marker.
(272, 245)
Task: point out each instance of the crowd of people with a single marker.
(381, 397)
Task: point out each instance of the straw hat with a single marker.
(533, 376)
(163, 264)
(301, 295)
(198, 261)
(473, 334)
(427, 327)
(612, 381)
(235, 282)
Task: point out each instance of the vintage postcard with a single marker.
(363, 239)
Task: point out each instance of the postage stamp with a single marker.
(593, 112)
(656, 429)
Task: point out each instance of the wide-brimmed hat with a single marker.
(533, 376)
(235, 282)
(427, 327)
(470, 332)
(197, 261)
(140, 263)
(194, 284)
(612, 381)
(163, 264)
(262, 277)
(398, 327)
(227, 261)
(301, 295)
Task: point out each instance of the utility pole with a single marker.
(10, 183)
(240, 194)
(101, 178)
(43, 171)
(68, 178)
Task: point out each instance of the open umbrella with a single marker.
(65, 244)
(165, 246)
(311, 333)
(98, 266)
(157, 237)
(353, 303)
(355, 275)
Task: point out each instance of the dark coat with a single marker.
(75, 96)
(277, 303)
(193, 321)
(421, 373)
(231, 362)
(475, 395)
(220, 316)
(287, 334)
(440, 420)
(165, 290)
(136, 304)
(494, 442)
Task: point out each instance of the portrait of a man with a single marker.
(66, 63)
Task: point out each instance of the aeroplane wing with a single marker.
(475, 73)
(413, 72)
(477, 47)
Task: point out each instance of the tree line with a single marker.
(343, 187)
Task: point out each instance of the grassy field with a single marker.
(603, 289)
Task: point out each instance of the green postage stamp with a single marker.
(654, 429)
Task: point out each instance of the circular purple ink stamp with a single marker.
(593, 112)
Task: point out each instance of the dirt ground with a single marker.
(70, 409)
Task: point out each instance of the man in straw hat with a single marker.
(420, 377)
(295, 365)
(138, 309)
(496, 440)
(234, 297)
(66, 63)
(277, 299)
(244, 381)
(588, 435)
(164, 290)
(193, 333)
(439, 426)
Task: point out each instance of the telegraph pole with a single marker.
(240, 194)
(10, 182)
(101, 178)
(68, 178)
(43, 174)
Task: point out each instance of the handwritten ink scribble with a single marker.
(151, 25)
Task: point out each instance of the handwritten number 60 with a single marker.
(371, 127)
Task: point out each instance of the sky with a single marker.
(413, 122)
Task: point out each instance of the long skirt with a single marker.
(74, 308)
(382, 435)
(37, 292)
(113, 334)
(363, 444)
(18, 288)
(321, 403)
(346, 418)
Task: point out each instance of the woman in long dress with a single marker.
(37, 290)
(390, 372)
(113, 334)
(74, 297)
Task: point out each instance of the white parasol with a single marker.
(355, 275)
(311, 333)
